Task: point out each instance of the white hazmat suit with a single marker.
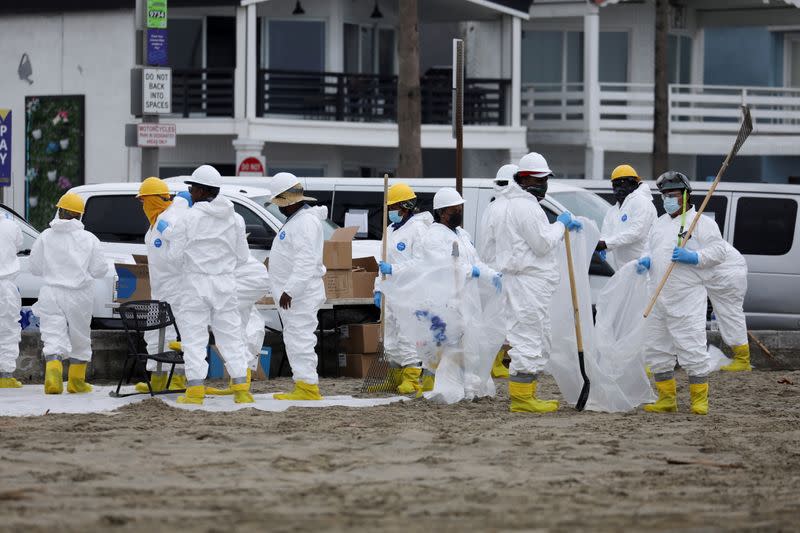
(252, 284)
(726, 284)
(208, 244)
(401, 245)
(527, 258)
(69, 259)
(627, 226)
(677, 324)
(491, 225)
(10, 303)
(295, 268)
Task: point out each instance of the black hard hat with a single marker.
(673, 181)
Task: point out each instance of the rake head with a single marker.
(744, 130)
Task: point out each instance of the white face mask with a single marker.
(671, 204)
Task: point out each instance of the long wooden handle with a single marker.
(383, 247)
(574, 291)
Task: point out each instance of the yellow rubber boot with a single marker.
(178, 382)
(194, 395)
(76, 379)
(241, 392)
(648, 372)
(175, 346)
(428, 381)
(226, 391)
(698, 393)
(499, 370)
(158, 380)
(741, 359)
(667, 398)
(523, 399)
(54, 377)
(9, 383)
(392, 381)
(302, 391)
(409, 381)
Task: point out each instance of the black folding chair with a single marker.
(137, 317)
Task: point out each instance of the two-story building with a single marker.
(588, 71)
(310, 85)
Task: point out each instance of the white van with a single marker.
(761, 221)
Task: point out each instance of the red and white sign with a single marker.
(156, 135)
(251, 166)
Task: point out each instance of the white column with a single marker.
(252, 67)
(516, 71)
(239, 77)
(251, 150)
(698, 56)
(591, 92)
(335, 31)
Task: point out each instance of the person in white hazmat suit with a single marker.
(296, 271)
(404, 234)
(627, 223)
(677, 324)
(437, 247)
(208, 244)
(726, 284)
(69, 259)
(526, 256)
(252, 284)
(162, 212)
(10, 302)
(487, 239)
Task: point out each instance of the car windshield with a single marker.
(583, 203)
(328, 227)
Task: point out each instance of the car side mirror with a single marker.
(258, 237)
(599, 267)
(24, 252)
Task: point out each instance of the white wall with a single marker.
(89, 53)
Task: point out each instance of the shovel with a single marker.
(583, 397)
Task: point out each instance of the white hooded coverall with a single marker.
(165, 277)
(69, 259)
(401, 244)
(252, 284)
(677, 324)
(295, 268)
(726, 284)
(10, 303)
(626, 227)
(208, 244)
(490, 225)
(526, 255)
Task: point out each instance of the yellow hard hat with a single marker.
(153, 187)
(400, 192)
(71, 202)
(624, 171)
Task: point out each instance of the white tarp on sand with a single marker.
(31, 401)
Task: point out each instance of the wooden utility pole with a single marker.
(458, 110)
(409, 107)
(661, 96)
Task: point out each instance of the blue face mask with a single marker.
(671, 204)
(394, 216)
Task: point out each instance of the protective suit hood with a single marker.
(644, 191)
(513, 190)
(60, 225)
(220, 207)
(319, 211)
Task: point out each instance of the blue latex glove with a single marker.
(497, 282)
(385, 268)
(572, 224)
(643, 265)
(476, 272)
(377, 298)
(687, 257)
(186, 196)
(602, 254)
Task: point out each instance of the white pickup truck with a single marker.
(115, 216)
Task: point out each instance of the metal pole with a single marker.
(149, 155)
(458, 109)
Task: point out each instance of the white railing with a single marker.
(693, 108)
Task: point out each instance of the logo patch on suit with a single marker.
(157, 243)
(624, 218)
(401, 246)
(282, 235)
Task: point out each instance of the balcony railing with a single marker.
(692, 108)
(373, 98)
(202, 92)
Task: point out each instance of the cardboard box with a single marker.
(358, 365)
(338, 284)
(360, 338)
(337, 252)
(133, 281)
(365, 270)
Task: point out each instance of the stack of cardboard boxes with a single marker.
(347, 277)
(359, 348)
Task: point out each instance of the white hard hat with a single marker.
(447, 197)
(207, 176)
(506, 173)
(286, 190)
(535, 164)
